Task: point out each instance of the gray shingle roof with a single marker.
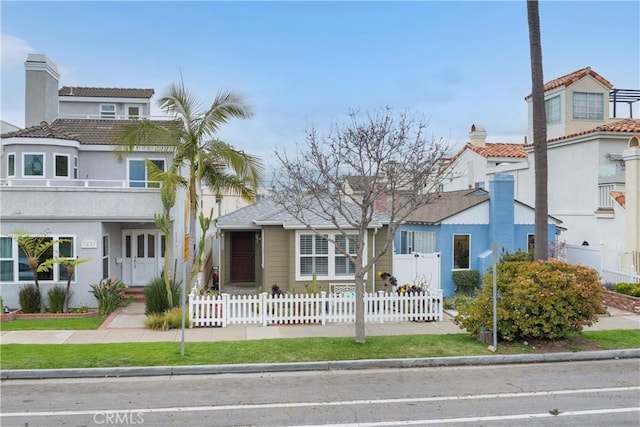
(447, 204)
(267, 212)
(105, 92)
(86, 131)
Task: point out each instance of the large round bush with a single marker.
(537, 300)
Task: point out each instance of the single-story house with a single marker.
(463, 225)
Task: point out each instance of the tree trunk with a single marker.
(360, 326)
(539, 134)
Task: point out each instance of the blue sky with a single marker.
(308, 63)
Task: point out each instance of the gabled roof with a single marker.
(267, 212)
(105, 92)
(85, 131)
(620, 126)
(359, 183)
(43, 130)
(494, 150)
(447, 204)
(573, 77)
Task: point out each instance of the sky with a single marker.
(303, 64)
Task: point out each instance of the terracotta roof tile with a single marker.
(499, 150)
(574, 77)
(618, 196)
(105, 92)
(619, 126)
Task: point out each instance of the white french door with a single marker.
(142, 256)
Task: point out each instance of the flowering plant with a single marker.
(109, 294)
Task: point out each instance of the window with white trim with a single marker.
(107, 111)
(588, 106)
(75, 167)
(133, 112)
(61, 165)
(461, 251)
(6, 259)
(417, 241)
(14, 263)
(105, 256)
(11, 164)
(552, 109)
(316, 254)
(139, 173)
(33, 164)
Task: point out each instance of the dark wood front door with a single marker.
(243, 257)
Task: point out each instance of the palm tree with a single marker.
(539, 133)
(37, 250)
(190, 138)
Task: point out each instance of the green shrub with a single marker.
(170, 319)
(109, 293)
(537, 300)
(155, 296)
(466, 281)
(517, 256)
(30, 299)
(458, 301)
(56, 299)
(632, 289)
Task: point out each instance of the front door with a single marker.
(142, 260)
(243, 257)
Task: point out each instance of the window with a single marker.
(479, 184)
(552, 108)
(133, 112)
(11, 164)
(531, 238)
(139, 173)
(105, 256)
(344, 266)
(588, 106)
(417, 241)
(461, 249)
(6, 259)
(107, 111)
(61, 165)
(75, 167)
(33, 164)
(14, 265)
(317, 254)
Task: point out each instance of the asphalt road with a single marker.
(600, 393)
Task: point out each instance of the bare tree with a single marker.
(539, 134)
(398, 170)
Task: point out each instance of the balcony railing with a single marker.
(605, 201)
(77, 183)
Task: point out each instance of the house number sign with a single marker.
(89, 244)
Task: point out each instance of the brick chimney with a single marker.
(41, 90)
(478, 135)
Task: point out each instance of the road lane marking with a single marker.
(213, 408)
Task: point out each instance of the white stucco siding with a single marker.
(478, 214)
(468, 169)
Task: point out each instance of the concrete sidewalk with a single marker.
(127, 325)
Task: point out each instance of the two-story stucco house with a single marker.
(60, 177)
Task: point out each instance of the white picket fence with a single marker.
(619, 275)
(265, 309)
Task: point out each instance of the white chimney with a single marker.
(478, 135)
(41, 90)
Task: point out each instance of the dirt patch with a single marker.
(554, 346)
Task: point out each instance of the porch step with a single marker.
(137, 293)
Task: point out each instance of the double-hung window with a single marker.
(588, 106)
(6, 259)
(461, 251)
(552, 109)
(317, 254)
(14, 264)
(11, 165)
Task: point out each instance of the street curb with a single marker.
(143, 371)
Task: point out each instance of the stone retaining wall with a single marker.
(621, 301)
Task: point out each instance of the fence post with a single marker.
(225, 309)
(263, 309)
(192, 310)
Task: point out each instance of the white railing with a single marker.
(77, 183)
(265, 309)
(619, 275)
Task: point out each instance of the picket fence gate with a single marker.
(265, 309)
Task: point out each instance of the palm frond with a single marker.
(226, 105)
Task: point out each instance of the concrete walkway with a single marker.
(127, 325)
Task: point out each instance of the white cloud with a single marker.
(14, 51)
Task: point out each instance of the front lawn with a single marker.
(58, 324)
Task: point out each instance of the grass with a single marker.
(75, 323)
(53, 356)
